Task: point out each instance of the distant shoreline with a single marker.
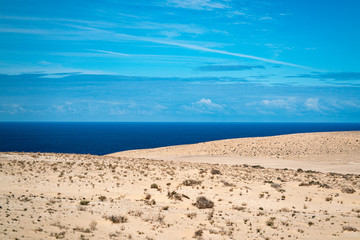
(105, 138)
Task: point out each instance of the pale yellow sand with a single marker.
(327, 152)
(41, 194)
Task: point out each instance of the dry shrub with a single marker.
(350, 229)
(191, 182)
(348, 190)
(215, 171)
(116, 218)
(203, 202)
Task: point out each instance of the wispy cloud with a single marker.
(291, 105)
(109, 52)
(266, 18)
(204, 106)
(205, 49)
(176, 27)
(270, 105)
(336, 76)
(196, 4)
(278, 103)
(99, 53)
(113, 36)
(63, 20)
(221, 68)
(12, 108)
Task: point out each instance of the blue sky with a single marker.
(180, 60)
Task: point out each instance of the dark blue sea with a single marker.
(103, 138)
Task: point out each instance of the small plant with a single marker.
(328, 199)
(102, 198)
(348, 190)
(191, 215)
(239, 208)
(84, 202)
(275, 185)
(270, 222)
(227, 184)
(310, 223)
(198, 233)
(202, 203)
(191, 182)
(349, 228)
(174, 195)
(81, 229)
(154, 185)
(59, 235)
(215, 171)
(116, 218)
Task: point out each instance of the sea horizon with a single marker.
(100, 138)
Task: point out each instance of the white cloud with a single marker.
(266, 18)
(196, 4)
(312, 104)
(275, 103)
(204, 106)
(286, 103)
(159, 107)
(272, 106)
(12, 108)
(291, 105)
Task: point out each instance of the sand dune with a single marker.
(70, 196)
(326, 151)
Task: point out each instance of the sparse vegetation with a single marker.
(203, 202)
(271, 222)
(328, 199)
(348, 190)
(183, 193)
(215, 171)
(191, 182)
(198, 233)
(102, 198)
(116, 218)
(349, 229)
(154, 185)
(84, 202)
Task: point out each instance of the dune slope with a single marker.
(325, 151)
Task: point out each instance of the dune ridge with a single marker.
(283, 146)
(321, 151)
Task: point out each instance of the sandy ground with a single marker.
(325, 152)
(69, 196)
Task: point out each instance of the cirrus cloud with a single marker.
(220, 68)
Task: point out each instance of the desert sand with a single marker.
(126, 196)
(325, 152)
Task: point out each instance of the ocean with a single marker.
(101, 138)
